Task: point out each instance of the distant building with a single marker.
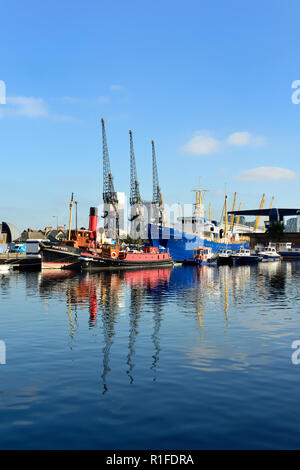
(55, 235)
(30, 234)
(292, 225)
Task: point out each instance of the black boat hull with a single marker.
(54, 257)
(116, 264)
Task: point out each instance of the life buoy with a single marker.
(113, 254)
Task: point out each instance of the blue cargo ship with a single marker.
(181, 245)
(190, 233)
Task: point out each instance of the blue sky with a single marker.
(210, 82)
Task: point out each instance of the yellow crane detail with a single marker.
(232, 216)
(238, 217)
(258, 217)
(271, 205)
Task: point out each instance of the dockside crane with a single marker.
(109, 194)
(136, 204)
(135, 197)
(157, 199)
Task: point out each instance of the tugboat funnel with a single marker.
(93, 221)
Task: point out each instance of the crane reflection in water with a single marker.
(143, 294)
(151, 282)
(103, 295)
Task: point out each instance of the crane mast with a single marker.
(157, 196)
(135, 197)
(109, 194)
(157, 199)
(137, 226)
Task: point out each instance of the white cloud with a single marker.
(71, 99)
(203, 143)
(244, 138)
(26, 106)
(239, 138)
(30, 107)
(103, 99)
(266, 173)
(200, 144)
(116, 87)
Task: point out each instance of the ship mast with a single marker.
(199, 204)
(225, 210)
(70, 219)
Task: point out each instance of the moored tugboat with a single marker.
(80, 243)
(113, 257)
(202, 256)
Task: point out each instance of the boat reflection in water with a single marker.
(132, 304)
(188, 357)
(103, 295)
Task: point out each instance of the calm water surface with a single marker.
(188, 358)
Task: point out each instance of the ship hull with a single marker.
(181, 246)
(287, 255)
(243, 260)
(270, 258)
(56, 257)
(224, 261)
(116, 264)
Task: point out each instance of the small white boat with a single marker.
(224, 256)
(244, 256)
(287, 251)
(269, 254)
